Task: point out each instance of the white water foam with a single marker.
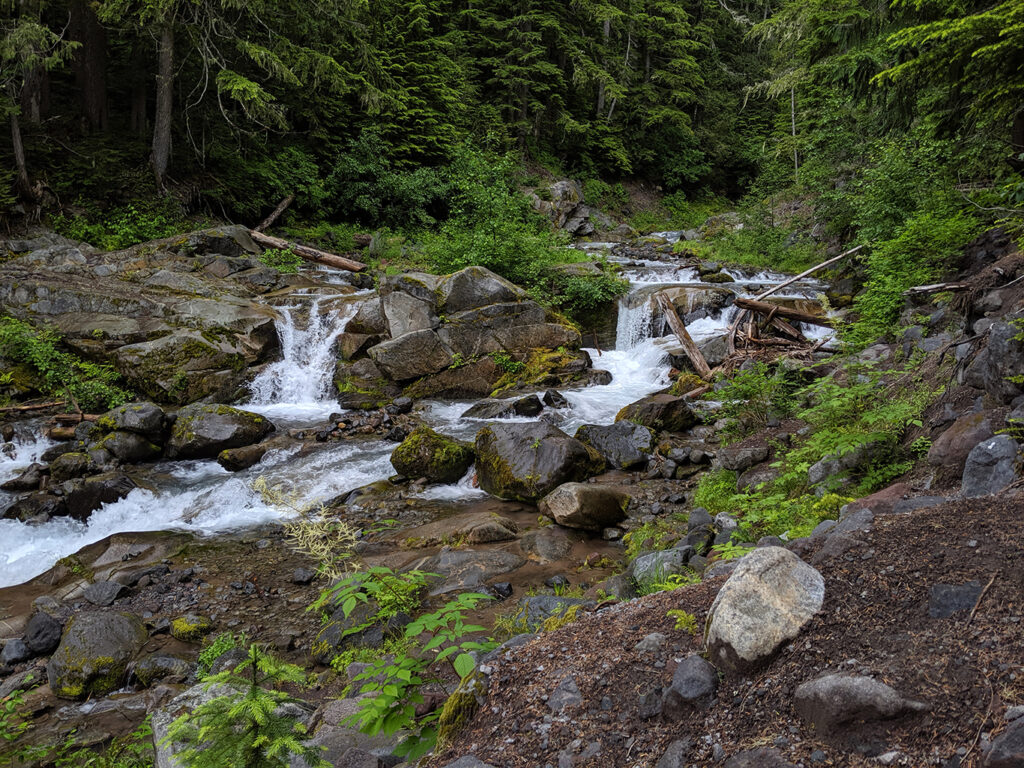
(197, 496)
(297, 387)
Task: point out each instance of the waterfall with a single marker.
(303, 375)
(634, 323)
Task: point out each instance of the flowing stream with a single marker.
(202, 497)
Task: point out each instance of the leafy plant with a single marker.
(246, 725)
(90, 386)
(433, 637)
(223, 643)
(507, 363)
(685, 621)
(752, 398)
(12, 723)
(729, 550)
(284, 260)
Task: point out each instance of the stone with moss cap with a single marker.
(146, 419)
(425, 453)
(191, 627)
(203, 431)
(660, 412)
(94, 652)
(525, 462)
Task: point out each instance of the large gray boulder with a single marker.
(624, 445)
(990, 466)
(411, 356)
(831, 701)
(475, 287)
(952, 447)
(94, 652)
(405, 314)
(1007, 750)
(586, 506)
(997, 368)
(525, 462)
(659, 412)
(203, 431)
(146, 419)
(461, 570)
(768, 600)
(656, 567)
(82, 497)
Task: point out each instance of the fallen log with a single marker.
(308, 253)
(779, 324)
(923, 290)
(274, 214)
(33, 407)
(776, 310)
(700, 365)
(74, 418)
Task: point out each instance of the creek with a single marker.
(295, 393)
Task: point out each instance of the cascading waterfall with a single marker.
(634, 322)
(298, 385)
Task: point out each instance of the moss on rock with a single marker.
(425, 453)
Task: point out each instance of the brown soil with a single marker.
(875, 620)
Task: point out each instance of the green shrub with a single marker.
(285, 260)
(122, 226)
(92, 386)
(753, 397)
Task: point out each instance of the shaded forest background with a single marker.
(895, 124)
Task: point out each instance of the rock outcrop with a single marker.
(439, 459)
(94, 652)
(203, 431)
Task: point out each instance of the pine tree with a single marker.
(248, 727)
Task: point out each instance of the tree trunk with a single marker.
(600, 86)
(35, 94)
(164, 103)
(792, 117)
(90, 64)
(22, 183)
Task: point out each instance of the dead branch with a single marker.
(274, 214)
(700, 365)
(308, 253)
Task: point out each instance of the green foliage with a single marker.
(506, 363)
(285, 260)
(651, 536)
(91, 385)
(122, 226)
(224, 642)
(686, 622)
(729, 551)
(245, 726)
(12, 724)
(714, 491)
(132, 751)
(431, 638)
(754, 397)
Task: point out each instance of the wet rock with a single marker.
(946, 599)
(952, 447)
(764, 757)
(466, 569)
(426, 453)
(584, 505)
(237, 459)
(71, 465)
(536, 609)
(739, 458)
(42, 633)
(39, 507)
(546, 545)
(656, 567)
(491, 408)
(659, 412)
(528, 406)
(694, 685)
(990, 466)
(94, 654)
(406, 314)
(303, 576)
(525, 462)
(832, 701)
(462, 528)
(160, 667)
(83, 497)
(15, 651)
(555, 399)
(766, 602)
(1007, 750)
(624, 445)
(104, 593)
(146, 419)
(129, 447)
(203, 431)
(411, 356)
(29, 479)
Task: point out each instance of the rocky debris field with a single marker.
(914, 658)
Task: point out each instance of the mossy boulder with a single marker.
(191, 627)
(425, 453)
(203, 431)
(94, 652)
(146, 419)
(129, 447)
(70, 465)
(624, 445)
(525, 462)
(83, 497)
(659, 412)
